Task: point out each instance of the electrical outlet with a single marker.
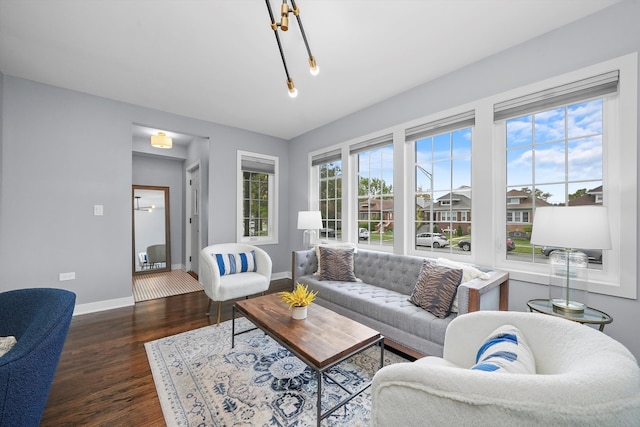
(67, 276)
(98, 210)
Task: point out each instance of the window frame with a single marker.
(619, 125)
(489, 205)
(272, 204)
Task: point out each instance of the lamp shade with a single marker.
(574, 227)
(161, 140)
(309, 220)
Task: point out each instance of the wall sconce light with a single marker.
(284, 26)
(161, 140)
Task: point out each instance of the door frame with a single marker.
(189, 202)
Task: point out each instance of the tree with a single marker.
(579, 193)
(373, 187)
(539, 194)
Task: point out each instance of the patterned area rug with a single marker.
(160, 285)
(202, 381)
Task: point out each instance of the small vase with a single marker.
(299, 313)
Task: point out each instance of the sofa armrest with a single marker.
(485, 294)
(303, 263)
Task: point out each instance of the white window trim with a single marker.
(274, 189)
(489, 203)
(620, 157)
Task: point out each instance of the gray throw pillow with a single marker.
(435, 288)
(336, 265)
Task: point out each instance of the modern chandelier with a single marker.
(284, 26)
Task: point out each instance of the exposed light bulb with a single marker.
(293, 92)
(313, 67)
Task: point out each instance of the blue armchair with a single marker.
(39, 319)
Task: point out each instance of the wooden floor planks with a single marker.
(104, 377)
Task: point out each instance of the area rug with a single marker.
(161, 285)
(202, 381)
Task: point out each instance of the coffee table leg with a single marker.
(319, 418)
(381, 353)
(233, 326)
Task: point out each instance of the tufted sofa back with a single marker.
(391, 271)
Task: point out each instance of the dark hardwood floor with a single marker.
(104, 377)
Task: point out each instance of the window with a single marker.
(554, 154)
(329, 169)
(374, 178)
(442, 184)
(257, 190)
(572, 140)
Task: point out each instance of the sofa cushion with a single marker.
(435, 288)
(336, 264)
(385, 305)
(236, 263)
(505, 350)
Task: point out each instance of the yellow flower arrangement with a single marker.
(300, 297)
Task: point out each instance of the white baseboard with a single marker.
(94, 307)
(281, 275)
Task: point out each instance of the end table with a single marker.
(590, 316)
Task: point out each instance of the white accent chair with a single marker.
(583, 378)
(227, 287)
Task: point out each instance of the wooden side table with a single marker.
(590, 316)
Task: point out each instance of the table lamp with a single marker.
(309, 221)
(570, 228)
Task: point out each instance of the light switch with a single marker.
(98, 210)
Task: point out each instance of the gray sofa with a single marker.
(380, 300)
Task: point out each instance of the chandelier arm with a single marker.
(304, 36)
(274, 27)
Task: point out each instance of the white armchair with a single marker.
(583, 378)
(221, 288)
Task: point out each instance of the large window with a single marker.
(555, 156)
(329, 167)
(257, 182)
(442, 184)
(375, 202)
(568, 140)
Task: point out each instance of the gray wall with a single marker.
(165, 172)
(64, 152)
(611, 33)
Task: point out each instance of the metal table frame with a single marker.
(320, 372)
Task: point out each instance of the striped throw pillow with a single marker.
(236, 263)
(505, 350)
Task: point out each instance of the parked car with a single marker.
(465, 245)
(363, 234)
(594, 255)
(327, 232)
(435, 240)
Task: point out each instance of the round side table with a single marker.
(590, 316)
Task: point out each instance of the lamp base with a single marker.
(309, 239)
(567, 306)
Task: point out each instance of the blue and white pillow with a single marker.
(236, 263)
(505, 350)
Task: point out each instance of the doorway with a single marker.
(192, 240)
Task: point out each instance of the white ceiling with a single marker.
(217, 60)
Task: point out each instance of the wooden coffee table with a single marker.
(322, 340)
